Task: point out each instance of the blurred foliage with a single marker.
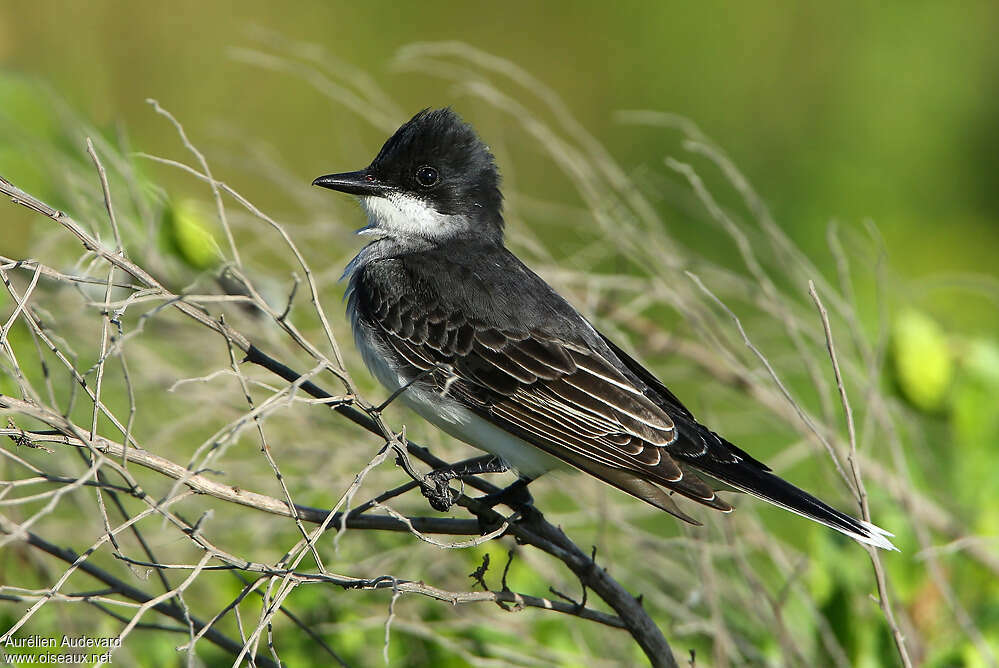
(26, 122)
(922, 359)
(864, 112)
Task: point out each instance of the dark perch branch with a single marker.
(535, 531)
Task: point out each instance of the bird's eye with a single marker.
(427, 176)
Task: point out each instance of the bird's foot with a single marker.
(438, 492)
(435, 484)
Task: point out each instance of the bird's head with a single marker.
(434, 179)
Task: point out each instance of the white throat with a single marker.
(404, 215)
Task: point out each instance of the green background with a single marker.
(853, 111)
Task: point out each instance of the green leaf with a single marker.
(190, 236)
(923, 364)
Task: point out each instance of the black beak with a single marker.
(362, 183)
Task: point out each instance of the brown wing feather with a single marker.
(551, 392)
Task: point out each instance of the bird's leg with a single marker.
(436, 488)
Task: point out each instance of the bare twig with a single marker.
(163, 607)
(884, 599)
(219, 206)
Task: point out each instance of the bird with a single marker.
(464, 333)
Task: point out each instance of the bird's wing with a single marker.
(566, 397)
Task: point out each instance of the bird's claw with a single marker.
(438, 492)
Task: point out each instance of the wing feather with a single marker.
(560, 396)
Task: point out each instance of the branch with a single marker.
(879, 572)
(169, 609)
(231, 493)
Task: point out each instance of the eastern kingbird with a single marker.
(486, 350)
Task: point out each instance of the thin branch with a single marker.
(807, 419)
(163, 607)
(233, 494)
(884, 599)
(107, 195)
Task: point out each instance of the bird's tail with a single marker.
(749, 478)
